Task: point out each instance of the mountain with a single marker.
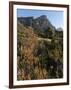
(41, 25)
(59, 29)
(38, 23)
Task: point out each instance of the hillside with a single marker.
(39, 49)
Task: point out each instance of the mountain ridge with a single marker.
(41, 25)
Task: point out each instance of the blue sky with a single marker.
(55, 17)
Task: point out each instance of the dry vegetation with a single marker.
(37, 59)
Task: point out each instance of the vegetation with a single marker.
(39, 58)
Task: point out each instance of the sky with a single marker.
(55, 17)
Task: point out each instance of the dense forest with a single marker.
(39, 49)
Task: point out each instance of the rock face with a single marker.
(42, 23)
